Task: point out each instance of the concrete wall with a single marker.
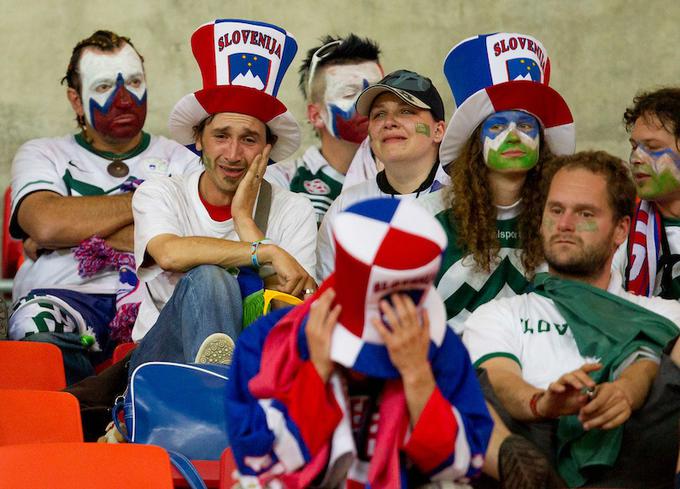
(602, 52)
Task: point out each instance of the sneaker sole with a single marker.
(216, 348)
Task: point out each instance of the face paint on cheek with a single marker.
(114, 91)
(657, 172)
(548, 224)
(344, 83)
(511, 149)
(123, 114)
(587, 226)
(423, 129)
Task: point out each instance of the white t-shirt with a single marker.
(173, 206)
(68, 167)
(325, 250)
(529, 329)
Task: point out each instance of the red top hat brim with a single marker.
(195, 107)
(537, 99)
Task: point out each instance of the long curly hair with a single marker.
(473, 212)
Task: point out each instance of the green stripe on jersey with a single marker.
(499, 354)
(472, 287)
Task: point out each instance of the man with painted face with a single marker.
(331, 78)
(587, 371)
(405, 126)
(77, 190)
(650, 257)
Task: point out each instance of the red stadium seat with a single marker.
(12, 249)
(31, 365)
(84, 466)
(28, 416)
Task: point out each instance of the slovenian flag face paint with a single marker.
(656, 173)
(113, 91)
(344, 84)
(511, 141)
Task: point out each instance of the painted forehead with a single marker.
(340, 78)
(506, 116)
(95, 64)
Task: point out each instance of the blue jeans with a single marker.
(206, 300)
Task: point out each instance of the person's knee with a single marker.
(211, 282)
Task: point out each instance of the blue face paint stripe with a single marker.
(120, 85)
(345, 114)
(504, 118)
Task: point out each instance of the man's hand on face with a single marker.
(406, 336)
(567, 394)
(246, 193)
(319, 328)
(610, 407)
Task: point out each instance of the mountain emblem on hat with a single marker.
(249, 70)
(523, 69)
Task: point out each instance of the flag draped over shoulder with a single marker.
(283, 417)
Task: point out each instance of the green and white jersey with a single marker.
(460, 284)
(672, 228)
(68, 166)
(529, 329)
(310, 175)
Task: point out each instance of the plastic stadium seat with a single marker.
(217, 474)
(84, 466)
(28, 416)
(31, 365)
(12, 249)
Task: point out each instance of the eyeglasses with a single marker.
(321, 53)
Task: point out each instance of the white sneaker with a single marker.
(216, 348)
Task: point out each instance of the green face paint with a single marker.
(658, 184)
(548, 224)
(518, 156)
(588, 226)
(422, 129)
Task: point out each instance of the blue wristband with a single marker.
(253, 253)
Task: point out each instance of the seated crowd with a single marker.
(481, 304)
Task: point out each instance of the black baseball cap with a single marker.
(412, 88)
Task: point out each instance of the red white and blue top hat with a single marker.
(242, 64)
(503, 71)
(383, 246)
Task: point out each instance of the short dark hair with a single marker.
(198, 130)
(663, 103)
(620, 186)
(102, 40)
(353, 49)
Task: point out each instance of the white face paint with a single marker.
(101, 73)
(344, 83)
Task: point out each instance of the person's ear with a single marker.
(439, 130)
(315, 116)
(76, 102)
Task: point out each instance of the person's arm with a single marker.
(55, 221)
(123, 239)
(407, 339)
(614, 402)
(450, 424)
(564, 396)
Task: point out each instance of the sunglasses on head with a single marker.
(321, 53)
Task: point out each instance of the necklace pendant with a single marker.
(118, 168)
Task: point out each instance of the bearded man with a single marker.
(76, 191)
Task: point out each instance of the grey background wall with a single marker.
(602, 52)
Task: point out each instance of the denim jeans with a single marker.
(206, 300)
